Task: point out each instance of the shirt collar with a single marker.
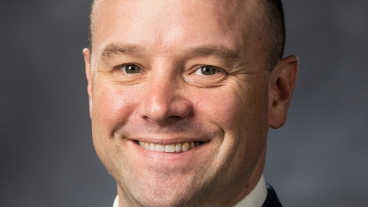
(255, 198)
(116, 202)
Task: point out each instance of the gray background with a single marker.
(319, 158)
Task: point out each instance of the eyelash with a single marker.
(210, 67)
(120, 67)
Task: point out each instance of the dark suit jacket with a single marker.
(271, 199)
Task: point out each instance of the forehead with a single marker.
(164, 23)
(224, 8)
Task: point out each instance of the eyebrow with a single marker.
(229, 56)
(218, 51)
(116, 49)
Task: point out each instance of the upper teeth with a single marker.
(180, 147)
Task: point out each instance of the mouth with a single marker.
(170, 148)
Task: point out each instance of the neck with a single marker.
(254, 178)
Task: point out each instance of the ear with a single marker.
(87, 56)
(282, 83)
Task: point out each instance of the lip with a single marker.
(169, 141)
(167, 157)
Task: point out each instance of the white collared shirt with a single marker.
(255, 198)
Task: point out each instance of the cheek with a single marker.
(219, 107)
(228, 107)
(112, 106)
(240, 110)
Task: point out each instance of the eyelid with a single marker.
(206, 81)
(120, 66)
(125, 64)
(218, 69)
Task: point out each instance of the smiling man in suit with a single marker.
(182, 94)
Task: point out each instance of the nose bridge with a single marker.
(162, 98)
(160, 91)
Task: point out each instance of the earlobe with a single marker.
(87, 56)
(282, 83)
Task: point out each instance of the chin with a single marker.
(160, 196)
(161, 190)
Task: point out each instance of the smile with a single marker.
(179, 147)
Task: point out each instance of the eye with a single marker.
(131, 69)
(206, 70)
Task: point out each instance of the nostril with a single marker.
(165, 106)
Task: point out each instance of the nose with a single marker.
(164, 100)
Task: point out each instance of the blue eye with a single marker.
(131, 69)
(206, 70)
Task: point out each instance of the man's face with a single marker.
(186, 77)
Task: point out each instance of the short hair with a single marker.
(270, 24)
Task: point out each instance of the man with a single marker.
(181, 96)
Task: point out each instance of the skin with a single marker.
(171, 101)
